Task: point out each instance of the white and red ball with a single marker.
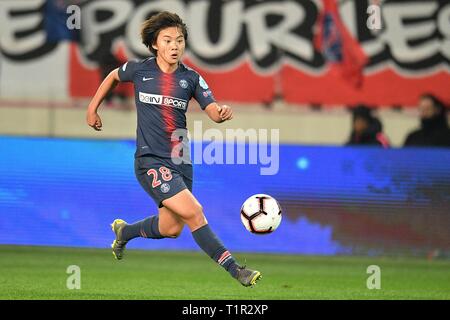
(261, 214)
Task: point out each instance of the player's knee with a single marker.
(199, 220)
(172, 231)
(176, 234)
(193, 216)
(199, 209)
(173, 234)
(176, 231)
(195, 211)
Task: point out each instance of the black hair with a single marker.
(438, 103)
(151, 28)
(363, 111)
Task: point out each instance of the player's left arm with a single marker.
(219, 113)
(204, 96)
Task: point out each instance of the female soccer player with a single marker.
(163, 88)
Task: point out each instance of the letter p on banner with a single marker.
(373, 281)
(74, 280)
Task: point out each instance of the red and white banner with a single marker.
(248, 51)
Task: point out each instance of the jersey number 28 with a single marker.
(166, 175)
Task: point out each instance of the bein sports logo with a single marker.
(162, 100)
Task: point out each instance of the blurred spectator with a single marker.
(434, 129)
(366, 128)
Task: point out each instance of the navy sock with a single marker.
(147, 228)
(208, 242)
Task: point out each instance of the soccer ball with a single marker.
(261, 214)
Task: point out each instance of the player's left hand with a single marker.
(225, 113)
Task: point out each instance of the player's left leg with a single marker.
(186, 206)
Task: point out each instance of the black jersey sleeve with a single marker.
(202, 93)
(126, 71)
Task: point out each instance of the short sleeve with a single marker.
(126, 71)
(202, 93)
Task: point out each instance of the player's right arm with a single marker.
(92, 117)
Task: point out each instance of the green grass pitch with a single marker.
(40, 273)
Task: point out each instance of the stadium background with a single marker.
(63, 184)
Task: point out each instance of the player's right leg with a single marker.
(119, 244)
(146, 228)
(164, 225)
(170, 225)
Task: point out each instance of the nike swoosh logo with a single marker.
(146, 79)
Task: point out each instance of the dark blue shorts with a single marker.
(161, 178)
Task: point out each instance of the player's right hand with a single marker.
(94, 121)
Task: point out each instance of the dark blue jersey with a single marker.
(161, 101)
